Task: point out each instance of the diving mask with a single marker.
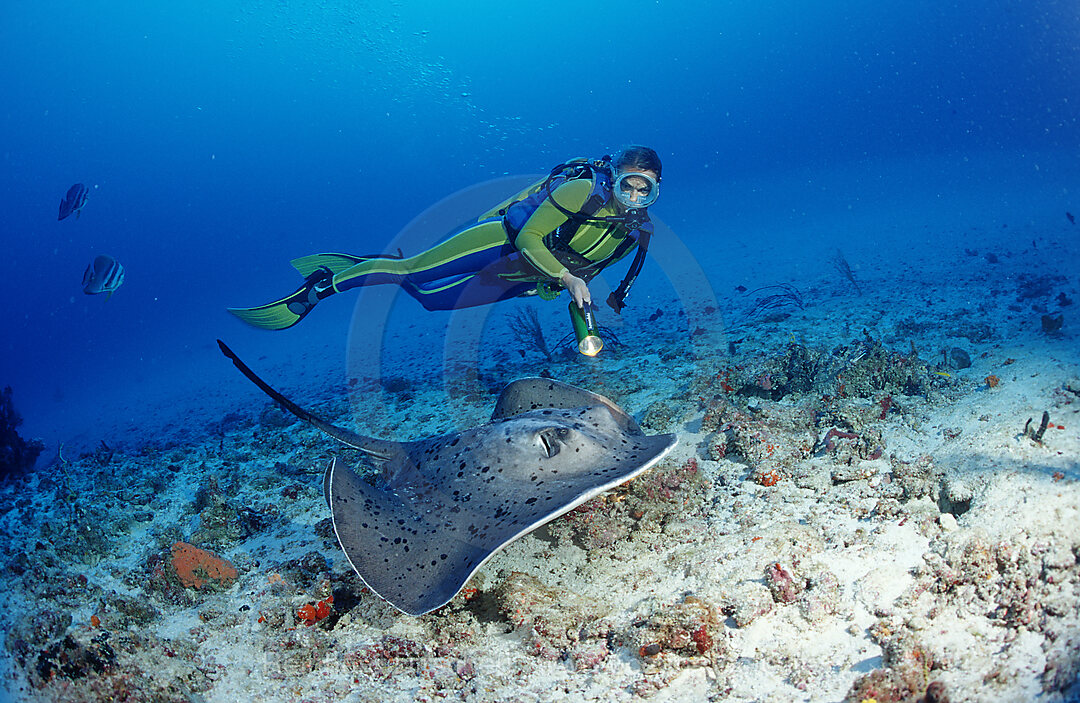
(635, 190)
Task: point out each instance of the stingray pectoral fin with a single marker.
(415, 564)
(527, 394)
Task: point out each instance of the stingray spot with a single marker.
(460, 474)
(406, 549)
(485, 469)
(530, 501)
(364, 525)
(443, 557)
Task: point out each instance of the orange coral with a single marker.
(196, 568)
(314, 612)
(992, 381)
(768, 477)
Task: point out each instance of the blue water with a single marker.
(220, 139)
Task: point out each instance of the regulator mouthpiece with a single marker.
(588, 336)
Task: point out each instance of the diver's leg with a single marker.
(466, 291)
(466, 252)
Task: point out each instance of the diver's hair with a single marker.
(637, 156)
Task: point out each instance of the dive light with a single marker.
(585, 329)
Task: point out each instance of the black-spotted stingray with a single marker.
(444, 505)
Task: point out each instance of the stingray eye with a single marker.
(550, 439)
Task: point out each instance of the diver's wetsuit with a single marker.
(479, 265)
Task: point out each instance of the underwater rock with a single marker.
(958, 359)
(782, 585)
(200, 569)
(749, 602)
(688, 629)
(648, 502)
(71, 659)
(132, 611)
(1051, 324)
(820, 597)
(1032, 286)
(660, 416)
(1062, 665)
(905, 675)
(16, 454)
(917, 478)
(231, 422)
(559, 624)
(955, 496)
(770, 437)
(306, 571)
(274, 418)
(34, 629)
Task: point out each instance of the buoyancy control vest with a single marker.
(516, 211)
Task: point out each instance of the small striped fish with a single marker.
(74, 200)
(103, 275)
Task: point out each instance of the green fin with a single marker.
(280, 314)
(337, 263)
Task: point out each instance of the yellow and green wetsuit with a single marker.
(484, 262)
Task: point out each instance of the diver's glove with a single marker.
(578, 289)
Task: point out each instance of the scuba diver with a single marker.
(556, 234)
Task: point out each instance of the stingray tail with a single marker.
(376, 448)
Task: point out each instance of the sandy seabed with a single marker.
(858, 509)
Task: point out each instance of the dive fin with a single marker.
(337, 263)
(284, 313)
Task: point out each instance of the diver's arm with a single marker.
(548, 218)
